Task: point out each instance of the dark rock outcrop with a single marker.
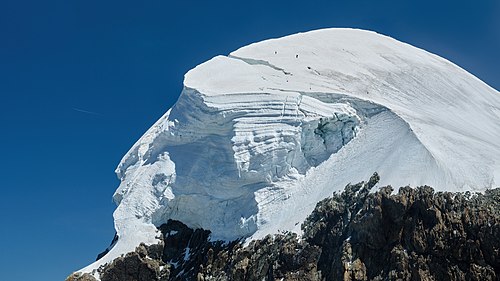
(144, 264)
(81, 277)
(415, 234)
(113, 242)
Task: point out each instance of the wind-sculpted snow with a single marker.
(258, 137)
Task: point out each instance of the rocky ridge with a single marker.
(414, 234)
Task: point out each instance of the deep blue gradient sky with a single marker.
(80, 81)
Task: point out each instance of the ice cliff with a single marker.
(258, 137)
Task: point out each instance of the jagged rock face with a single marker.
(416, 234)
(81, 277)
(145, 264)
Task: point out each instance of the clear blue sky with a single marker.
(80, 81)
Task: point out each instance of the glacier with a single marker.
(259, 136)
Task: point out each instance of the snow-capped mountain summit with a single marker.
(258, 137)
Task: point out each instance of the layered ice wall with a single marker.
(259, 136)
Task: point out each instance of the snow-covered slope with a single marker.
(259, 136)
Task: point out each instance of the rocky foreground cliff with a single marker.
(415, 234)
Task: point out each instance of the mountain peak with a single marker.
(258, 137)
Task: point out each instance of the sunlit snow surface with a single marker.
(259, 136)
